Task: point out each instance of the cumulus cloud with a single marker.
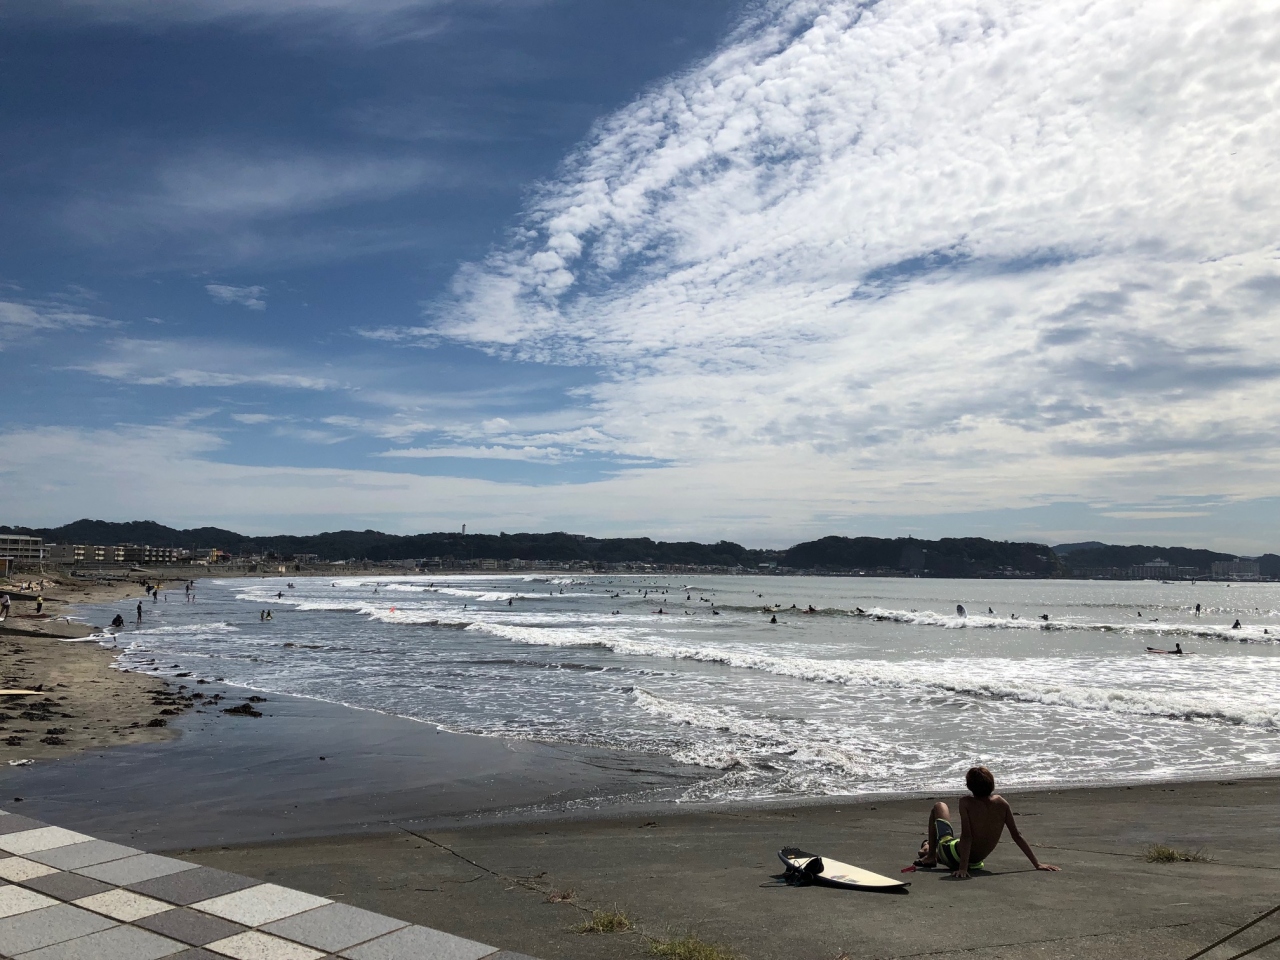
(988, 252)
(250, 297)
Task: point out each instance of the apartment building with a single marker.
(19, 548)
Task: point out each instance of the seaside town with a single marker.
(803, 559)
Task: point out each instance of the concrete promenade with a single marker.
(709, 873)
(68, 896)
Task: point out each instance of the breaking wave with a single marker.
(998, 679)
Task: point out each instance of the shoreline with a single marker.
(170, 700)
(82, 701)
(310, 768)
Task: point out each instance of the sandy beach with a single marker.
(82, 703)
(519, 843)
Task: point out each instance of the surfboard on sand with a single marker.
(833, 873)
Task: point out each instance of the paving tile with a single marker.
(43, 838)
(83, 854)
(334, 927)
(67, 886)
(253, 945)
(190, 926)
(416, 943)
(123, 905)
(118, 943)
(195, 953)
(15, 900)
(40, 928)
(508, 955)
(191, 886)
(18, 869)
(145, 866)
(261, 904)
(14, 823)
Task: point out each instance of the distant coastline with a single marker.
(145, 547)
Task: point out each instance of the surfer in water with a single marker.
(983, 819)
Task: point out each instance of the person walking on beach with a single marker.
(39, 604)
(5, 604)
(983, 819)
(139, 611)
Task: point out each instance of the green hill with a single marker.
(948, 557)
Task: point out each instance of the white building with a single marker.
(19, 548)
(1237, 569)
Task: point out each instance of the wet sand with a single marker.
(83, 703)
(307, 768)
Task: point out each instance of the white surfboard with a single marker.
(836, 874)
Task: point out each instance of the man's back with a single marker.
(982, 820)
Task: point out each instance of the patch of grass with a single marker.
(1160, 853)
(607, 921)
(690, 947)
(560, 896)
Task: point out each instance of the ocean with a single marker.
(884, 688)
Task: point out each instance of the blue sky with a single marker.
(757, 270)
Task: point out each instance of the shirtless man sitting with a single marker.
(983, 818)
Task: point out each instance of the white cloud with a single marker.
(215, 204)
(253, 419)
(250, 297)
(50, 475)
(532, 454)
(32, 317)
(420, 336)
(200, 363)
(399, 426)
(1015, 252)
(349, 20)
(885, 260)
(310, 434)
